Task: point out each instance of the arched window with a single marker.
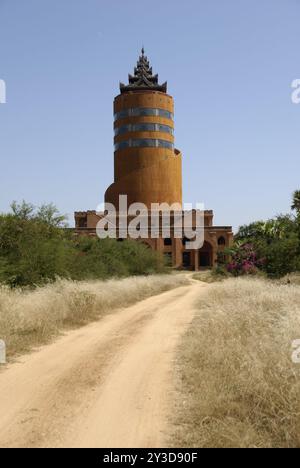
(221, 241)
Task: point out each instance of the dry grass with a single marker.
(292, 278)
(238, 386)
(31, 318)
(208, 276)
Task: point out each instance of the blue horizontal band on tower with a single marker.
(143, 111)
(144, 143)
(144, 127)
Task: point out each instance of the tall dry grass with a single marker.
(238, 386)
(31, 318)
(291, 278)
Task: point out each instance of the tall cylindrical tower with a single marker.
(147, 168)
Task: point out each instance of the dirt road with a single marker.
(108, 384)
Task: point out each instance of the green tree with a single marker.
(276, 228)
(296, 207)
(36, 248)
(50, 215)
(296, 202)
(22, 210)
(276, 241)
(31, 251)
(281, 256)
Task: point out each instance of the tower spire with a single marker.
(143, 78)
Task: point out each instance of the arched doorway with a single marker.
(206, 256)
(186, 259)
(186, 254)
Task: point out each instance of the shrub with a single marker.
(35, 248)
(276, 241)
(244, 260)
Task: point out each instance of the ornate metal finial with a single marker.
(143, 78)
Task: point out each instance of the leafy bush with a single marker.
(36, 247)
(275, 245)
(244, 260)
(102, 258)
(281, 256)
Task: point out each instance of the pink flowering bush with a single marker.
(244, 260)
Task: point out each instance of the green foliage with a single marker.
(35, 248)
(46, 213)
(31, 251)
(244, 259)
(102, 258)
(276, 242)
(22, 211)
(277, 228)
(281, 256)
(50, 215)
(296, 202)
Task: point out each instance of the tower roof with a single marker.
(143, 78)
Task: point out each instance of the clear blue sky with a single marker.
(229, 65)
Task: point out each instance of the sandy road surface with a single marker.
(108, 384)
